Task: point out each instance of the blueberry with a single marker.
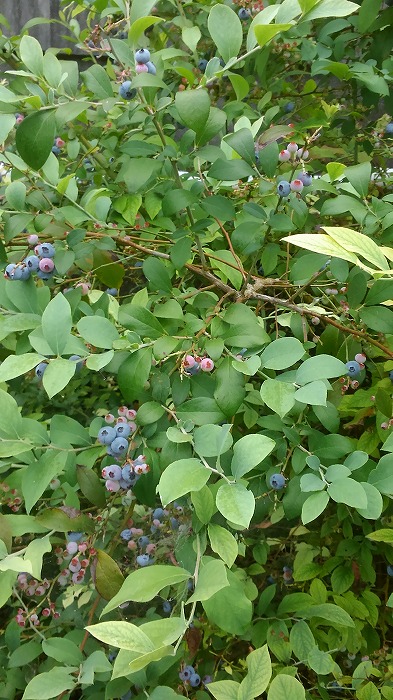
(46, 276)
(389, 569)
(391, 375)
(9, 271)
(112, 291)
(158, 513)
(40, 369)
(143, 541)
(45, 250)
(187, 672)
(78, 361)
(353, 368)
(142, 56)
(151, 68)
(122, 35)
(389, 128)
(144, 560)
(126, 91)
(244, 14)
(283, 188)
(202, 65)
(289, 107)
(74, 536)
(119, 446)
(207, 679)
(17, 273)
(56, 150)
(166, 607)
(305, 178)
(106, 435)
(122, 430)
(277, 482)
(32, 262)
(126, 535)
(25, 273)
(195, 680)
(174, 523)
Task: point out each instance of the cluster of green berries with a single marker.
(41, 263)
(192, 364)
(143, 65)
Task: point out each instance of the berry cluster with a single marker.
(192, 364)
(354, 367)
(143, 62)
(58, 144)
(116, 431)
(76, 555)
(41, 263)
(189, 675)
(9, 497)
(302, 179)
(31, 587)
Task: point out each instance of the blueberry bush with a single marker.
(196, 424)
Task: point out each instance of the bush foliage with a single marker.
(242, 522)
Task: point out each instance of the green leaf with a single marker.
(181, 477)
(224, 690)
(250, 451)
(16, 195)
(57, 519)
(140, 25)
(242, 141)
(383, 535)
(65, 431)
(57, 323)
(38, 475)
(121, 634)
(194, 108)
(31, 54)
(34, 138)
(133, 373)
(97, 81)
(15, 365)
(382, 476)
(149, 412)
(282, 353)
(97, 331)
(301, 639)
(378, 318)
(279, 396)
(223, 543)
(212, 577)
(229, 170)
(348, 491)
(226, 30)
(236, 503)
(314, 393)
(355, 242)
(374, 506)
(342, 579)
(314, 506)
(57, 375)
(7, 123)
(91, 486)
(143, 585)
(265, 32)
(229, 401)
(333, 614)
(321, 662)
(230, 609)
(203, 503)
(201, 411)
(284, 687)
(62, 650)
(331, 8)
(320, 367)
(50, 684)
(321, 243)
(258, 675)
(212, 440)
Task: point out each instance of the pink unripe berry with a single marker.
(20, 620)
(121, 419)
(84, 287)
(157, 523)
(109, 418)
(32, 239)
(72, 547)
(150, 548)
(45, 612)
(302, 153)
(296, 185)
(292, 147)
(74, 565)
(77, 578)
(131, 544)
(19, 119)
(384, 426)
(31, 589)
(62, 580)
(132, 426)
(40, 590)
(284, 155)
(54, 484)
(361, 358)
(122, 410)
(56, 615)
(131, 414)
(112, 485)
(34, 619)
(141, 68)
(59, 142)
(84, 564)
(189, 361)
(207, 365)
(82, 547)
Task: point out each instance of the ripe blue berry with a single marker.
(283, 188)
(207, 679)
(46, 276)
(158, 513)
(78, 360)
(119, 446)
(389, 569)
(277, 482)
(391, 375)
(74, 536)
(113, 471)
(56, 150)
(389, 128)
(166, 607)
(106, 435)
(126, 91)
(122, 430)
(17, 273)
(143, 560)
(244, 14)
(32, 262)
(9, 271)
(195, 680)
(187, 672)
(126, 535)
(143, 541)
(353, 368)
(306, 179)
(202, 65)
(45, 250)
(151, 68)
(40, 369)
(142, 56)
(112, 291)
(289, 107)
